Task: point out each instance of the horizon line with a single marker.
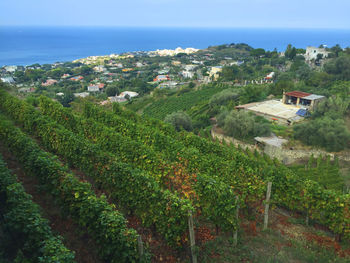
(183, 27)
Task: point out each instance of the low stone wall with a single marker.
(286, 156)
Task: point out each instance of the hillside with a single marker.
(145, 178)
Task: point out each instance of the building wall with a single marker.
(312, 52)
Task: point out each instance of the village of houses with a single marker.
(173, 73)
(291, 108)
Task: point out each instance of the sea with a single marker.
(24, 45)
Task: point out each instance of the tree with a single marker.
(223, 97)
(55, 73)
(334, 107)
(191, 85)
(290, 52)
(336, 50)
(180, 120)
(243, 125)
(339, 67)
(230, 73)
(303, 72)
(34, 74)
(280, 86)
(84, 70)
(66, 99)
(328, 133)
(258, 52)
(112, 90)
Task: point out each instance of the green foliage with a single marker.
(214, 197)
(243, 125)
(253, 93)
(179, 120)
(34, 74)
(323, 171)
(319, 79)
(30, 234)
(66, 99)
(303, 72)
(55, 73)
(112, 90)
(339, 67)
(324, 132)
(107, 226)
(84, 70)
(280, 86)
(231, 73)
(258, 52)
(334, 107)
(33, 100)
(245, 172)
(290, 52)
(162, 107)
(142, 195)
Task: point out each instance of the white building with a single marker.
(93, 88)
(312, 52)
(187, 74)
(81, 95)
(9, 80)
(189, 67)
(130, 93)
(11, 69)
(99, 68)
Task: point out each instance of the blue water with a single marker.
(29, 45)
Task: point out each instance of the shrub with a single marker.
(179, 120)
(243, 125)
(324, 132)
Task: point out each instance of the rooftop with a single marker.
(298, 94)
(271, 140)
(272, 108)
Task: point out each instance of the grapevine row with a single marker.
(215, 199)
(133, 190)
(244, 181)
(107, 227)
(24, 223)
(326, 206)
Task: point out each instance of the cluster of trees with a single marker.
(339, 68)
(180, 120)
(331, 134)
(243, 125)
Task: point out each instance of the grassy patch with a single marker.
(268, 246)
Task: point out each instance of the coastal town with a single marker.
(155, 69)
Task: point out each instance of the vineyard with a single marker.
(145, 183)
(162, 107)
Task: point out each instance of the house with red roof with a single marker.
(161, 78)
(302, 99)
(49, 82)
(77, 78)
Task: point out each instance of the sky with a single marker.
(178, 13)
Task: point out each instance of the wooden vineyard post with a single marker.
(235, 234)
(307, 217)
(192, 237)
(140, 245)
(267, 205)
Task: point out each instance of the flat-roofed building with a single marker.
(273, 110)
